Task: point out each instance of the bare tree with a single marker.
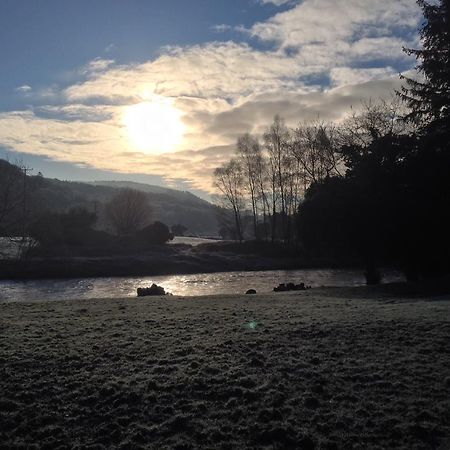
(14, 207)
(250, 156)
(262, 188)
(315, 149)
(373, 120)
(294, 190)
(276, 141)
(274, 177)
(229, 181)
(129, 211)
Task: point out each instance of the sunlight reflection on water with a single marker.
(184, 285)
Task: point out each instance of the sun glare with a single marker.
(154, 126)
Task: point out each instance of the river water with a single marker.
(194, 241)
(185, 285)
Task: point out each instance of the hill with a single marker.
(168, 205)
(172, 206)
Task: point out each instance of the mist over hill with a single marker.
(172, 206)
(169, 206)
(144, 187)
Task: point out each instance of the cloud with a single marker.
(102, 143)
(97, 65)
(24, 89)
(320, 57)
(276, 2)
(76, 112)
(341, 76)
(110, 48)
(222, 27)
(217, 69)
(330, 21)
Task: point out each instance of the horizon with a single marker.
(158, 92)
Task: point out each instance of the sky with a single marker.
(159, 91)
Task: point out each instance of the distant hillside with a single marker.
(172, 206)
(141, 187)
(169, 205)
(152, 189)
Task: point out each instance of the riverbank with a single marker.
(163, 260)
(85, 267)
(321, 369)
(169, 259)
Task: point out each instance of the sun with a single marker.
(154, 126)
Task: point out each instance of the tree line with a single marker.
(28, 227)
(375, 185)
(269, 178)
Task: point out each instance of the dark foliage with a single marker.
(429, 98)
(11, 178)
(70, 228)
(17, 203)
(68, 233)
(385, 210)
(392, 205)
(71, 234)
(154, 234)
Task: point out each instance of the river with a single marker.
(185, 285)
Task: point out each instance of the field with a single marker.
(321, 369)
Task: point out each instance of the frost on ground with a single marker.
(323, 369)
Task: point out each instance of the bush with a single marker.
(156, 233)
(72, 228)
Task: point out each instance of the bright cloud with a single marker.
(276, 2)
(24, 88)
(224, 70)
(331, 21)
(324, 55)
(341, 76)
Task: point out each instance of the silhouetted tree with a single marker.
(373, 120)
(228, 232)
(392, 204)
(129, 211)
(429, 96)
(156, 233)
(73, 228)
(315, 148)
(262, 189)
(13, 196)
(15, 206)
(276, 142)
(361, 134)
(360, 215)
(330, 219)
(426, 170)
(228, 179)
(250, 155)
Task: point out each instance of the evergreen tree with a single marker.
(426, 241)
(429, 97)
